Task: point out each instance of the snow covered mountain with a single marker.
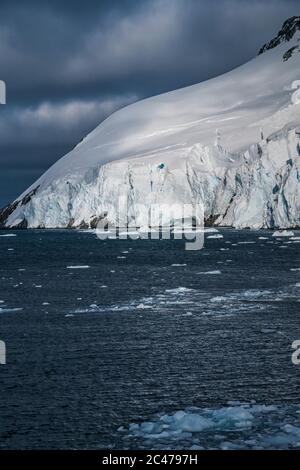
(231, 143)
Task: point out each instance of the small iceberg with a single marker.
(283, 233)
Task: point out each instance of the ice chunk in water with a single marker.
(218, 235)
(283, 233)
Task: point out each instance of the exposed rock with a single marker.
(287, 32)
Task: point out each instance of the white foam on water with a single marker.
(178, 265)
(8, 235)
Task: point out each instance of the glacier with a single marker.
(230, 144)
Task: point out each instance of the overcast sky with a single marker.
(69, 64)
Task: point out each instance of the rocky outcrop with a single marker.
(287, 32)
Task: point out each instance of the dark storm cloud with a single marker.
(63, 49)
(69, 64)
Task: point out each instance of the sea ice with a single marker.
(210, 272)
(78, 267)
(216, 236)
(283, 233)
(229, 427)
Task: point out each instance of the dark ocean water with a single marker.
(132, 337)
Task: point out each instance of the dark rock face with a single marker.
(29, 196)
(289, 28)
(290, 53)
(6, 212)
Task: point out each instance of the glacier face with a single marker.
(231, 144)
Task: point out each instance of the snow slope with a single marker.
(231, 143)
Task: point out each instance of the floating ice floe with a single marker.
(143, 307)
(210, 272)
(78, 267)
(176, 301)
(218, 235)
(8, 310)
(284, 233)
(230, 427)
(179, 290)
(219, 298)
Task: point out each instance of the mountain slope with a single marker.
(231, 143)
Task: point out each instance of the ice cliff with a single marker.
(231, 143)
